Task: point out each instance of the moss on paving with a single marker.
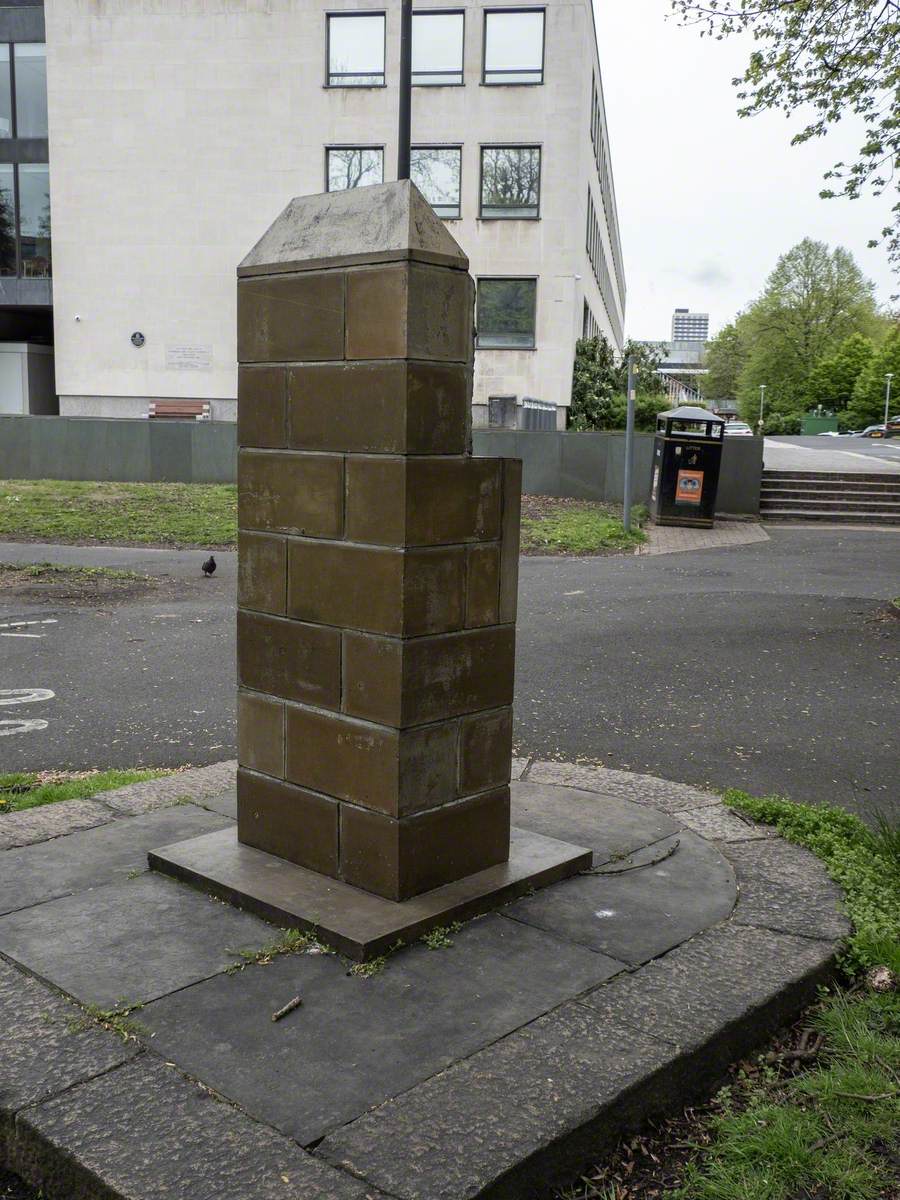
(31, 789)
(176, 514)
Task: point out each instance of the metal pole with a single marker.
(887, 401)
(405, 89)
(629, 445)
(762, 396)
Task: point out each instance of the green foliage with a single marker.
(863, 862)
(812, 302)
(834, 377)
(28, 789)
(867, 405)
(574, 530)
(824, 61)
(599, 386)
(781, 424)
(726, 356)
(439, 938)
(184, 514)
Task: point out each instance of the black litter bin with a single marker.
(687, 454)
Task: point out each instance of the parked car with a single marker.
(872, 431)
(830, 433)
(738, 429)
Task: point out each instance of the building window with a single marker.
(356, 50)
(7, 219)
(6, 124)
(353, 166)
(34, 219)
(435, 170)
(31, 89)
(437, 48)
(514, 45)
(505, 313)
(510, 182)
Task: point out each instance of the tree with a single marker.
(834, 377)
(726, 356)
(813, 300)
(823, 59)
(600, 381)
(867, 405)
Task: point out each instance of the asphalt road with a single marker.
(763, 667)
(832, 454)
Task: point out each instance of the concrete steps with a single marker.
(848, 498)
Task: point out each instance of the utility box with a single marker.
(687, 455)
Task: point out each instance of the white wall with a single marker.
(177, 134)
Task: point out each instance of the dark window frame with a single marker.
(509, 146)
(458, 146)
(365, 15)
(511, 71)
(352, 146)
(444, 12)
(516, 279)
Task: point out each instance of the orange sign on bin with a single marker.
(689, 487)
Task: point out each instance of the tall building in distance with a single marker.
(690, 326)
(178, 131)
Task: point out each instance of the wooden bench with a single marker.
(197, 410)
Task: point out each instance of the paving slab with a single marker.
(483, 1127)
(720, 992)
(144, 1132)
(610, 827)
(636, 915)
(199, 783)
(51, 821)
(224, 802)
(130, 942)
(355, 1042)
(722, 824)
(785, 888)
(37, 873)
(45, 1046)
(661, 794)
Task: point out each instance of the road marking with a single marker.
(21, 725)
(31, 635)
(24, 695)
(23, 624)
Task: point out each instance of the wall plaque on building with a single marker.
(189, 358)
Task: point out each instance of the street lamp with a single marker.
(762, 400)
(887, 400)
(405, 105)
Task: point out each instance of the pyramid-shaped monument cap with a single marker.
(385, 222)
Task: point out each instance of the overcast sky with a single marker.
(708, 201)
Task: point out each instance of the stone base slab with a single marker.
(360, 924)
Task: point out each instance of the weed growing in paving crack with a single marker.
(292, 941)
(116, 1019)
(440, 939)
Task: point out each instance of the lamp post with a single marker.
(629, 445)
(403, 123)
(887, 400)
(762, 400)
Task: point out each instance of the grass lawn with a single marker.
(553, 525)
(816, 1117)
(167, 514)
(30, 789)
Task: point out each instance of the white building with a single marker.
(690, 326)
(178, 130)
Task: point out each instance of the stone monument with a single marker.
(377, 578)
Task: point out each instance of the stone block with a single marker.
(261, 407)
(428, 679)
(262, 572)
(509, 553)
(423, 501)
(291, 318)
(485, 750)
(289, 659)
(260, 733)
(409, 310)
(287, 821)
(379, 407)
(387, 591)
(291, 493)
(388, 770)
(483, 585)
(400, 859)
